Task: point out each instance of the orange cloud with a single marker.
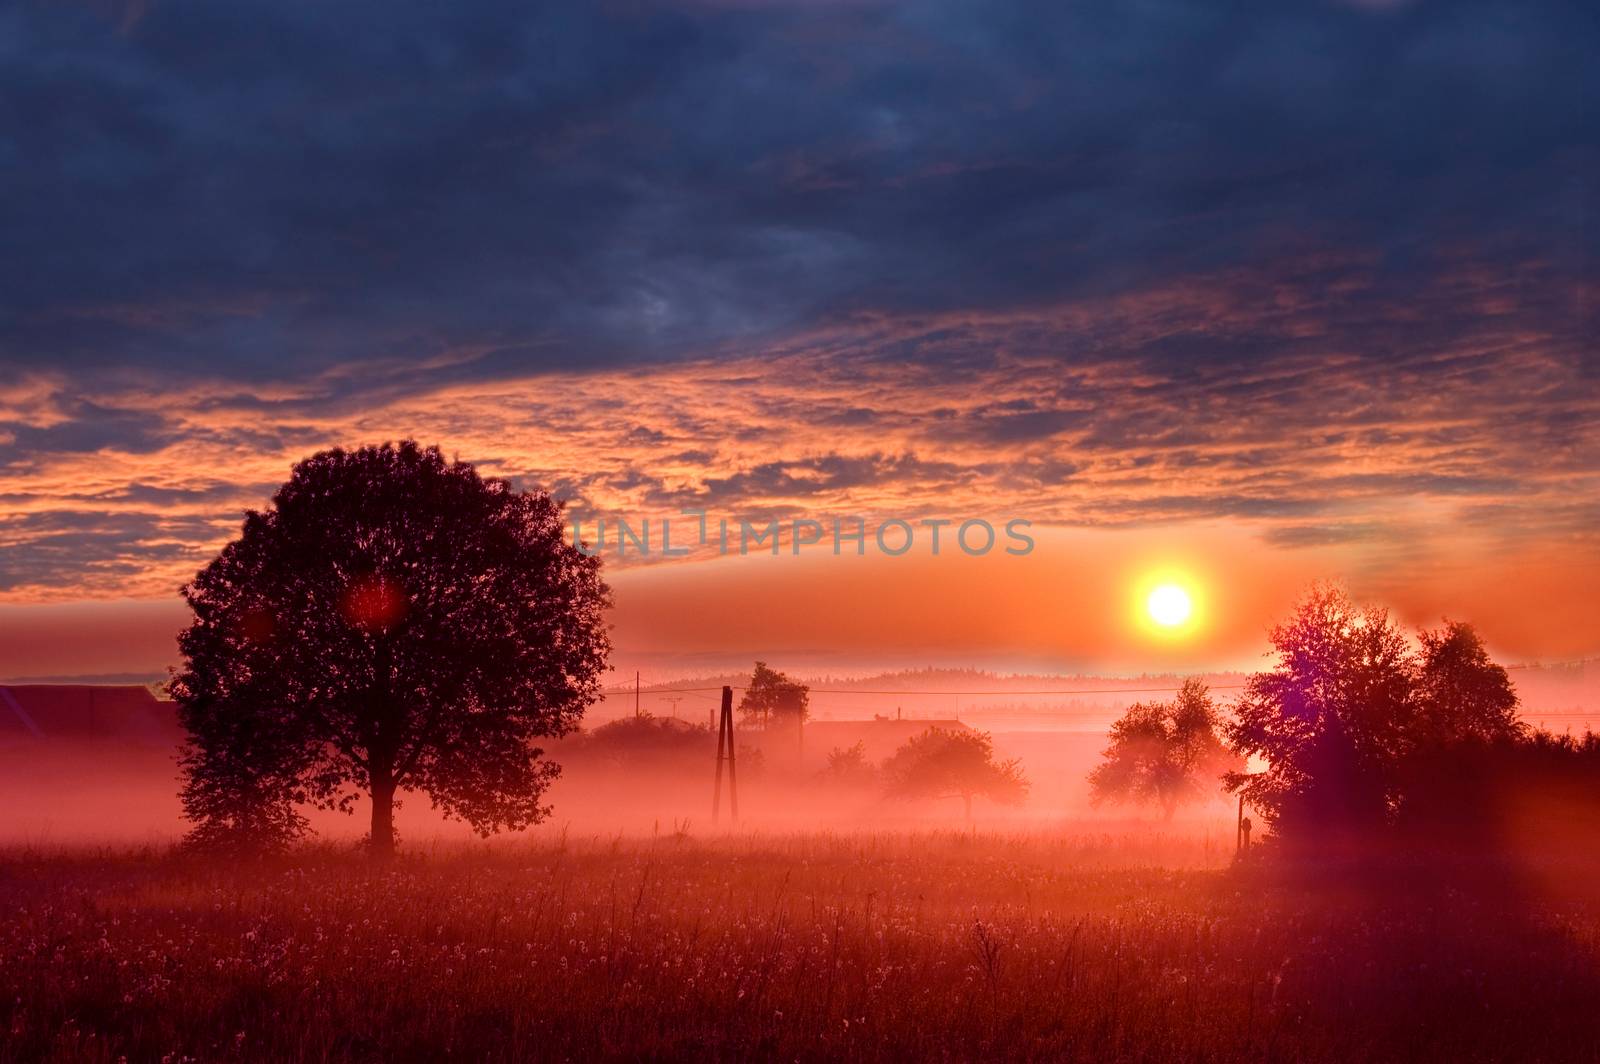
(1438, 481)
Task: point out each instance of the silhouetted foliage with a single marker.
(1361, 734)
(952, 764)
(1333, 720)
(774, 699)
(1165, 753)
(848, 766)
(244, 797)
(391, 620)
(1523, 791)
(1462, 696)
(648, 741)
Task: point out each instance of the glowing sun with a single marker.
(1169, 605)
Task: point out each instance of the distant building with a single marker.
(125, 714)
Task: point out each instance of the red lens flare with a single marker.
(375, 604)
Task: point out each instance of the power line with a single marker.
(907, 691)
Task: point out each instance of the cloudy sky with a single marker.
(1258, 292)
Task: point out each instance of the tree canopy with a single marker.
(1463, 696)
(774, 699)
(1349, 711)
(1332, 720)
(391, 620)
(1165, 753)
(848, 766)
(954, 764)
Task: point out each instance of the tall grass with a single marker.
(813, 946)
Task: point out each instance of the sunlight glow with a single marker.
(1169, 605)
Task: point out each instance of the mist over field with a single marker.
(68, 788)
(838, 915)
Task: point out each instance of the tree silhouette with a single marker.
(1463, 696)
(647, 741)
(951, 764)
(848, 767)
(1167, 753)
(1334, 720)
(391, 620)
(773, 698)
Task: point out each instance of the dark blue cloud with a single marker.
(268, 190)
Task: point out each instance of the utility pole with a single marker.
(725, 752)
(673, 701)
(636, 692)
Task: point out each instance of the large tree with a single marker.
(1334, 720)
(941, 763)
(1166, 753)
(392, 620)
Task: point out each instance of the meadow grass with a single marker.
(927, 946)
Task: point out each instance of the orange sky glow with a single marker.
(1460, 496)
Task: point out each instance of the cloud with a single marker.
(1317, 271)
(267, 191)
(1483, 433)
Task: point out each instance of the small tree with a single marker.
(774, 699)
(951, 764)
(1166, 753)
(391, 620)
(848, 767)
(1463, 696)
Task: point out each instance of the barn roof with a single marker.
(126, 713)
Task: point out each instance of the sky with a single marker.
(1250, 294)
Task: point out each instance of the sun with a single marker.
(1169, 605)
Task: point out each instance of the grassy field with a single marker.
(811, 946)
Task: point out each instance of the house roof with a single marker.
(121, 713)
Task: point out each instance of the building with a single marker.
(128, 715)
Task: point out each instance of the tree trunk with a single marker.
(382, 838)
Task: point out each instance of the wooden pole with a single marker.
(726, 751)
(733, 777)
(716, 793)
(636, 693)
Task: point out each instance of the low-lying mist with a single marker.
(66, 793)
